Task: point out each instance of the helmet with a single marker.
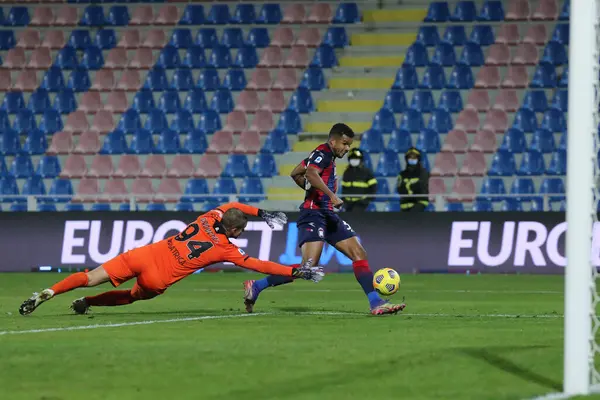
(412, 151)
(355, 153)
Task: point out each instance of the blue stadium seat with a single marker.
(482, 35)
(21, 166)
(532, 164)
(51, 122)
(270, 13)
(503, 164)
(66, 59)
(207, 38)
(454, 207)
(100, 207)
(246, 57)
(195, 101)
(24, 121)
(232, 37)
(483, 206)
(115, 143)
(564, 78)
(209, 122)
(169, 101)
(565, 11)
(443, 55)
(554, 120)
(395, 101)
(182, 80)
(13, 102)
(455, 35)
(218, 15)
(451, 101)
(126, 207)
(523, 186)
(383, 189)
(400, 141)
(93, 16)
(388, 165)
(347, 13)
(181, 39)
(3, 169)
(34, 186)
(182, 122)
(143, 101)
(555, 54)
(7, 40)
(156, 207)
(535, 100)
(156, 121)
(560, 101)
(416, 55)
(195, 191)
(276, 142)
(371, 141)
(562, 143)
(461, 77)
(383, 121)
(525, 120)
(62, 190)
(4, 121)
(39, 101)
(80, 39)
(9, 142)
(438, 12)
(18, 207)
(336, 37)
(222, 101)
(492, 189)
(406, 78)
(106, 39)
(561, 34)
(471, 55)
(464, 11)
(392, 206)
(130, 121)
(440, 121)
(168, 142)
(209, 79)
(543, 141)
(156, 80)
(425, 162)
(192, 15)
(223, 186)
(258, 37)
(8, 189)
(168, 58)
(412, 121)
(184, 207)
(324, 57)
(65, 101)
(75, 207)
(428, 35)
(35, 143)
(48, 167)
(79, 80)
(194, 58)
(558, 163)
(428, 141)
(220, 57)
(544, 77)
(17, 16)
(313, 79)
(195, 143)
(492, 10)
(511, 205)
(289, 122)
(367, 162)
(433, 78)
(118, 16)
(301, 101)
(554, 186)
(53, 80)
(142, 142)
(264, 166)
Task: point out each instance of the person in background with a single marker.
(414, 180)
(358, 182)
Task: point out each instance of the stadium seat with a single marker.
(544, 77)
(224, 186)
(48, 167)
(290, 122)
(53, 80)
(525, 120)
(17, 16)
(24, 121)
(13, 102)
(182, 80)
(406, 78)
(300, 101)
(498, 54)
(168, 142)
(384, 121)
(168, 58)
(438, 11)
(80, 39)
(558, 163)
(428, 141)
(464, 11)
(66, 58)
(39, 101)
(324, 57)
(21, 166)
(18, 207)
(523, 186)
(553, 186)
(313, 79)
(142, 141)
(463, 189)
(61, 190)
(546, 10)
(51, 122)
(562, 144)
(489, 77)
(395, 101)
(156, 80)
(427, 35)
(514, 141)
(246, 57)
(196, 190)
(347, 13)
(264, 166)
(471, 55)
(451, 101)
(232, 38)
(481, 205)
(169, 102)
(532, 164)
(195, 101)
(478, 100)
(455, 35)
(412, 121)
(218, 14)
(270, 13)
(503, 164)
(115, 143)
(456, 142)
(565, 11)
(336, 37)
(482, 35)
(222, 101)
(543, 141)
(193, 14)
(440, 121)
(535, 100)
(422, 101)
(207, 38)
(492, 189)
(258, 37)
(220, 57)
(209, 79)
(416, 55)
(33, 186)
(444, 55)
(491, 11)
(468, 121)
(383, 191)
(433, 78)
(221, 143)
(554, 121)
(388, 165)
(555, 54)
(118, 16)
(371, 141)
(564, 78)
(143, 101)
(65, 101)
(181, 38)
(9, 190)
(276, 142)
(156, 121)
(461, 77)
(560, 101)
(209, 122)
(93, 16)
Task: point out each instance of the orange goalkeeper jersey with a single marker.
(203, 243)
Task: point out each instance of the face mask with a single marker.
(413, 161)
(354, 162)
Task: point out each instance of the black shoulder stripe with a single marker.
(218, 209)
(247, 257)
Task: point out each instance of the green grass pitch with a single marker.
(461, 337)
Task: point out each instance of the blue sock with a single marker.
(364, 276)
(272, 280)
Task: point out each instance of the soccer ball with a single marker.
(386, 281)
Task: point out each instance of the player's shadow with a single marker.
(490, 355)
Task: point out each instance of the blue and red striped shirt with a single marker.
(323, 159)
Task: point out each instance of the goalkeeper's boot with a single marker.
(387, 308)
(250, 295)
(34, 301)
(80, 306)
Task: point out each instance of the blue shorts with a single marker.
(322, 226)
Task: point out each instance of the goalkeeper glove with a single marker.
(273, 218)
(308, 272)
